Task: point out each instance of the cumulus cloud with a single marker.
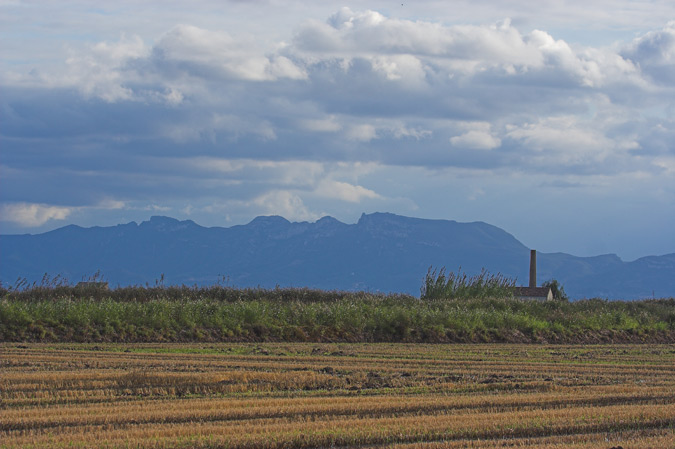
(100, 72)
(128, 69)
(478, 138)
(286, 204)
(457, 71)
(196, 52)
(370, 32)
(344, 191)
(654, 52)
(33, 215)
(418, 51)
(568, 141)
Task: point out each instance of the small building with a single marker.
(533, 292)
(542, 293)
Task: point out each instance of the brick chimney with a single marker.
(533, 268)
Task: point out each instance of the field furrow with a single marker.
(366, 395)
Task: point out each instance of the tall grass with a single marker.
(275, 315)
(439, 284)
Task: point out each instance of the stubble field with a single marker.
(300, 395)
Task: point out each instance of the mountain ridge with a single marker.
(380, 252)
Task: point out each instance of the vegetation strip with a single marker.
(447, 311)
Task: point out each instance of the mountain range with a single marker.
(381, 252)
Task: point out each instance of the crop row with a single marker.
(353, 430)
(219, 409)
(303, 395)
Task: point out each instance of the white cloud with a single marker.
(371, 33)
(476, 140)
(296, 173)
(196, 52)
(344, 191)
(111, 204)
(329, 124)
(282, 67)
(568, 141)
(33, 215)
(406, 69)
(286, 204)
(417, 52)
(128, 69)
(100, 71)
(667, 164)
(158, 208)
(361, 133)
(400, 131)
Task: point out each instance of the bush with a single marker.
(557, 289)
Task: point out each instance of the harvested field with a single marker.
(301, 395)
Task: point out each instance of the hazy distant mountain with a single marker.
(382, 252)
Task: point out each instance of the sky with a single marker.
(554, 120)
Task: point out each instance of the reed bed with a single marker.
(302, 395)
(452, 308)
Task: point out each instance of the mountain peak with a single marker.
(329, 221)
(269, 221)
(161, 219)
(381, 218)
(376, 216)
(162, 223)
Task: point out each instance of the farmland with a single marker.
(295, 395)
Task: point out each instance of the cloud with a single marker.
(401, 131)
(654, 53)
(350, 94)
(111, 204)
(407, 69)
(361, 133)
(370, 32)
(128, 69)
(192, 51)
(296, 173)
(418, 51)
(100, 72)
(556, 143)
(286, 204)
(329, 124)
(33, 215)
(344, 191)
(476, 139)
